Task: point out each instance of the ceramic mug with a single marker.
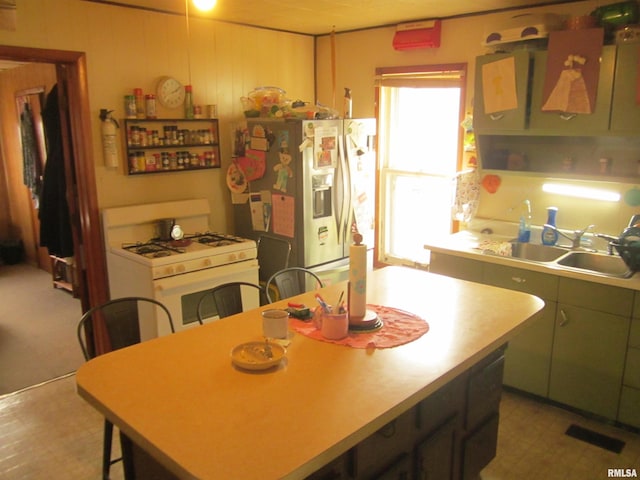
(275, 323)
(333, 326)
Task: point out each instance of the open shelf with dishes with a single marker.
(171, 145)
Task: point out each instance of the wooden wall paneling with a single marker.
(22, 222)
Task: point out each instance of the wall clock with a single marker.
(170, 92)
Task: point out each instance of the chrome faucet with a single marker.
(609, 239)
(577, 235)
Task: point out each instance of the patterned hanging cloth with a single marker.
(31, 171)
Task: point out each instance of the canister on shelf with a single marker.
(140, 107)
(150, 105)
(130, 106)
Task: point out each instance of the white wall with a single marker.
(127, 48)
(358, 54)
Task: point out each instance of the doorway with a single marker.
(71, 78)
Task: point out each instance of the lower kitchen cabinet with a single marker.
(528, 358)
(588, 359)
(456, 267)
(480, 448)
(629, 413)
(434, 457)
(582, 349)
(590, 342)
(629, 409)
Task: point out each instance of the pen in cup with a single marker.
(322, 303)
(341, 302)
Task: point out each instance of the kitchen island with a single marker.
(180, 399)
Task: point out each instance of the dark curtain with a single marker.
(55, 225)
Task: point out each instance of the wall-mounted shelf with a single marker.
(171, 145)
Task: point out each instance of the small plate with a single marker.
(253, 356)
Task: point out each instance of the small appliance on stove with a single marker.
(176, 272)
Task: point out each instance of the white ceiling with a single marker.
(317, 17)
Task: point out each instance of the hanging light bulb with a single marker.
(204, 5)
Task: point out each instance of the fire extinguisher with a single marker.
(109, 131)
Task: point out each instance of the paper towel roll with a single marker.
(357, 281)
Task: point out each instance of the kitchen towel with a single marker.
(467, 195)
(398, 327)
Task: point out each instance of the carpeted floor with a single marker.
(37, 328)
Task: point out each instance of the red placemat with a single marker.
(399, 327)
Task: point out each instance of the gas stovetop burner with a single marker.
(152, 249)
(214, 239)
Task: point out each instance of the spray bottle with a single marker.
(524, 229)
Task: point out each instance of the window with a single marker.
(420, 110)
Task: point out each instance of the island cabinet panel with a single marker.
(452, 434)
(480, 448)
(381, 451)
(434, 457)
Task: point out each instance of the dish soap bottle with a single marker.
(549, 235)
(524, 229)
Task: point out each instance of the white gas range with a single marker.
(174, 272)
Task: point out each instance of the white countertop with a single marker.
(466, 244)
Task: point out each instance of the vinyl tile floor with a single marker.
(48, 431)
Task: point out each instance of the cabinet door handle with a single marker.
(565, 318)
(519, 279)
(567, 116)
(496, 116)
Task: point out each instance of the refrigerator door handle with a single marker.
(348, 193)
(338, 192)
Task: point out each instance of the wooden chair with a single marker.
(121, 318)
(227, 298)
(290, 282)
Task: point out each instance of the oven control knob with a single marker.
(181, 268)
(242, 255)
(207, 262)
(168, 270)
(232, 257)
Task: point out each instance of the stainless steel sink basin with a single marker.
(596, 262)
(535, 252)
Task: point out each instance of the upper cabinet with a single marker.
(616, 110)
(601, 145)
(513, 119)
(625, 111)
(555, 123)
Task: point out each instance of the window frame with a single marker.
(407, 76)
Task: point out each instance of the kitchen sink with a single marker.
(596, 262)
(536, 252)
